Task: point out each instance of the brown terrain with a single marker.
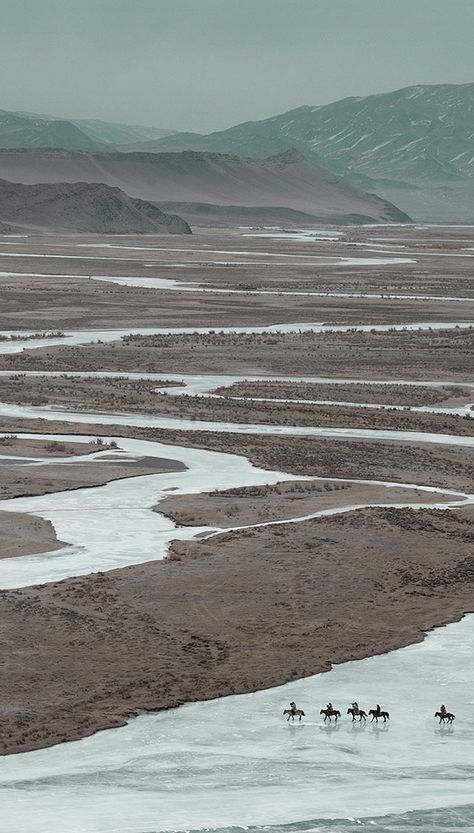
(363, 355)
(94, 304)
(247, 609)
(82, 207)
(235, 613)
(386, 394)
(125, 395)
(286, 180)
(288, 499)
(23, 534)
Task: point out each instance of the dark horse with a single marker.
(360, 713)
(449, 716)
(376, 714)
(329, 713)
(294, 712)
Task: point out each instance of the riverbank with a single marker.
(23, 534)
(232, 614)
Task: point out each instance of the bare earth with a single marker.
(289, 499)
(22, 534)
(240, 612)
(387, 394)
(14, 446)
(444, 355)
(122, 395)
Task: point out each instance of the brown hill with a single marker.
(81, 207)
(285, 179)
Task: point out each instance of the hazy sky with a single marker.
(207, 64)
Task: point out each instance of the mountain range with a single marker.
(414, 146)
(210, 184)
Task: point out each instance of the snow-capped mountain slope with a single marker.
(414, 146)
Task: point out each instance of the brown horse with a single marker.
(449, 716)
(329, 713)
(360, 713)
(294, 712)
(376, 714)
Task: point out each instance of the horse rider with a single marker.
(355, 707)
(293, 708)
(378, 709)
(443, 711)
(329, 707)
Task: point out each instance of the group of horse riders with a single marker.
(354, 709)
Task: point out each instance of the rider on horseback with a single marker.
(293, 708)
(443, 710)
(329, 707)
(355, 706)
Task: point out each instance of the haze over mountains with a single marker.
(284, 181)
(30, 130)
(413, 147)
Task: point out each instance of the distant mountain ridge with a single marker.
(285, 180)
(18, 131)
(81, 207)
(414, 146)
(31, 130)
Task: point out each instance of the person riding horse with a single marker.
(293, 712)
(355, 706)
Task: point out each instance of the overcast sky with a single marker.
(207, 64)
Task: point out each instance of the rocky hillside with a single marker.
(81, 207)
(285, 180)
(414, 146)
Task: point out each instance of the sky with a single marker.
(205, 65)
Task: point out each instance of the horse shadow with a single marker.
(379, 728)
(447, 729)
(330, 727)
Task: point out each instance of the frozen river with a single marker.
(235, 763)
